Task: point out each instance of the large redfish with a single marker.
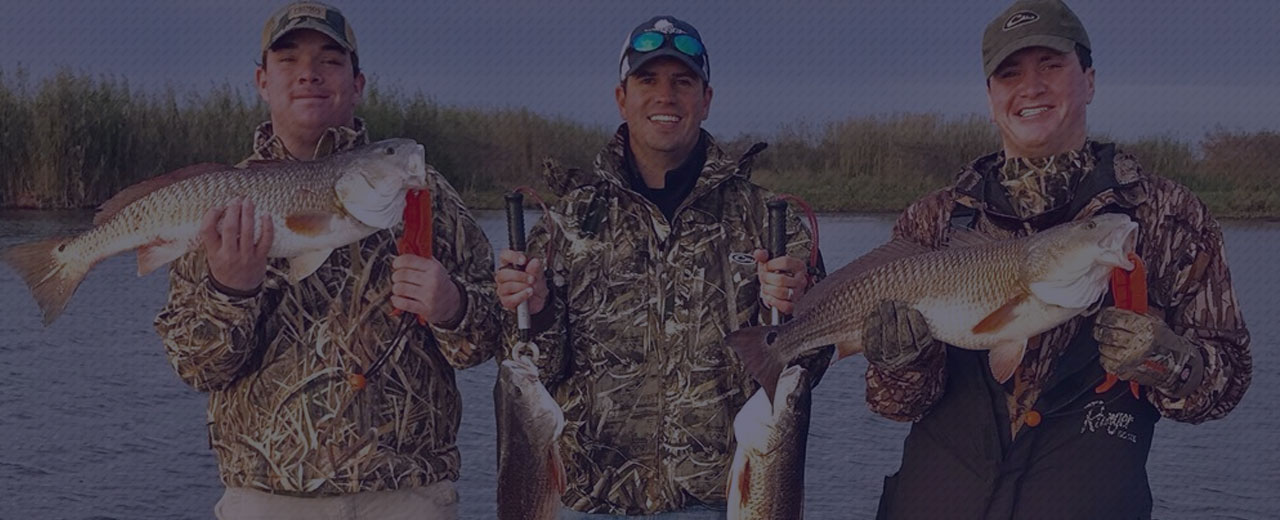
(315, 207)
(978, 294)
(531, 474)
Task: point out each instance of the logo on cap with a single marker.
(665, 26)
(1019, 19)
(312, 10)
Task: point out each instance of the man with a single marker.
(643, 290)
(294, 438)
(1054, 442)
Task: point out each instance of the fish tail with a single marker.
(754, 347)
(51, 280)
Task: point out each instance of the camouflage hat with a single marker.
(1031, 23)
(328, 20)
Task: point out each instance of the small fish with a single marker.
(978, 294)
(766, 479)
(531, 475)
(315, 207)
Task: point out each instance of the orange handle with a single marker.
(417, 236)
(1129, 289)
(416, 239)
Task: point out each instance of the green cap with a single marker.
(1031, 23)
(327, 20)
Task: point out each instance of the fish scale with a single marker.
(315, 207)
(978, 293)
(766, 478)
(531, 474)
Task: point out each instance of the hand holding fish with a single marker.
(515, 285)
(1142, 348)
(783, 280)
(422, 286)
(237, 260)
(895, 335)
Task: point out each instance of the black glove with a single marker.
(894, 335)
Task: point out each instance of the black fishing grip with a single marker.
(516, 240)
(777, 227)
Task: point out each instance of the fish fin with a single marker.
(52, 281)
(555, 465)
(753, 346)
(1000, 317)
(744, 483)
(158, 253)
(964, 237)
(303, 265)
(845, 349)
(137, 191)
(895, 249)
(1005, 358)
(309, 224)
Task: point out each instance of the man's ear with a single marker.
(620, 97)
(1088, 76)
(260, 81)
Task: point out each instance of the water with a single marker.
(95, 424)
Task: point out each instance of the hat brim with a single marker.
(1057, 43)
(318, 26)
(639, 60)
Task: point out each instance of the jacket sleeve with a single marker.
(907, 393)
(1201, 307)
(209, 335)
(461, 247)
(549, 331)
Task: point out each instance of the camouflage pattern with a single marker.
(1038, 186)
(631, 342)
(282, 417)
(312, 15)
(1187, 274)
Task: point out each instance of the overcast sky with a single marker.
(1179, 67)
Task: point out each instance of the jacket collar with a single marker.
(268, 146)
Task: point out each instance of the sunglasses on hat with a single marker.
(650, 41)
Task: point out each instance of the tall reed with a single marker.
(72, 140)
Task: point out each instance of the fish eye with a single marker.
(391, 151)
(1091, 225)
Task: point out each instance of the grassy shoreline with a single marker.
(72, 141)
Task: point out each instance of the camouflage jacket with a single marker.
(1187, 276)
(282, 416)
(631, 342)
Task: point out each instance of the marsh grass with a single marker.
(72, 140)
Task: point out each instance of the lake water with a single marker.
(95, 424)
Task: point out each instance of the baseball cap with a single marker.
(326, 19)
(664, 36)
(1031, 23)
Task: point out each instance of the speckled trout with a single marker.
(315, 207)
(766, 479)
(531, 475)
(978, 293)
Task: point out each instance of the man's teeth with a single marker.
(1031, 111)
(665, 119)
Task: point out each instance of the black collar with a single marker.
(679, 182)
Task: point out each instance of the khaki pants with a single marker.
(438, 501)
